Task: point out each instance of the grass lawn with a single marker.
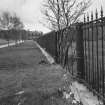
(20, 70)
(2, 41)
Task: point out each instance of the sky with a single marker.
(30, 14)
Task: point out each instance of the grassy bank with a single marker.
(3, 42)
(21, 69)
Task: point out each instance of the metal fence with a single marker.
(80, 49)
(94, 49)
(48, 42)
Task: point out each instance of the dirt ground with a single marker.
(24, 69)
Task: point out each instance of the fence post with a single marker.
(80, 51)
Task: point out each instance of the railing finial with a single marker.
(96, 14)
(91, 15)
(101, 11)
(87, 16)
(84, 18)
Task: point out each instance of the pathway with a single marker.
(10, 44)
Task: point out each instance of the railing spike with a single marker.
(101, 11)
(84, 18)
(88, 17)
(91, 15)
(96, 14)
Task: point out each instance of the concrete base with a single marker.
(82, 94)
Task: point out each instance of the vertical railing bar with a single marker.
(103, 86)
(58, 46)
(101, 78)
(99, 75)
(89, 55)
(61, 47)
(97, 51)
(72, 70)
(88, 50)
(95, 72)
(72, 60)
(92, 51)
(85, 54)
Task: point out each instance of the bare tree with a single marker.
(17, 24)
(5, 21)
(9, 22)
(5, 24)
(62, 13)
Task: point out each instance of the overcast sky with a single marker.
(29, 11)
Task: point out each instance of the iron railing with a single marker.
(94, 42)
(80, 48)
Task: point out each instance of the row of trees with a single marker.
(14, 34)
(11, 27)
(8, 22)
